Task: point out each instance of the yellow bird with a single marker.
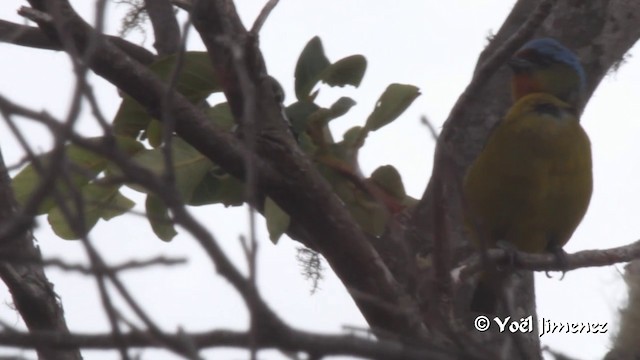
(531, 184)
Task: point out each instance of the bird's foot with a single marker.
(511, 251)
(561, 261)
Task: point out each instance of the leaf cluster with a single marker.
(97, 182)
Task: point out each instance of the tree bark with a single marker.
(33, 294)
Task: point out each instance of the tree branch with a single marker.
(32, 293)
(294, 341)
(29, 36)
(549, 262)
(83, 269)
(337, 237)
(165, 26)
(262, 17)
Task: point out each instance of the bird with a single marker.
(546, 66)
(531, 184)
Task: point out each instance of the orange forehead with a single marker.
(523, 84)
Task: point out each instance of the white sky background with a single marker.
(433, 45)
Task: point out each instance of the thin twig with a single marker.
(109, 308)
(432, 129)
(168, 341)
(324, 345)
(262, 17)
(83, 269)
(137, 174)
(185, 5)
(549, 262)
(34, 37)
(168, 122)
(250, 134)
(35, 15)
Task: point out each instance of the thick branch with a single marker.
(304, 194)
(32, 293)
(294, 341)
(34, 37)
(549, 262)
(165, 26)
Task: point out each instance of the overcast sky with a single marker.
(431, 44)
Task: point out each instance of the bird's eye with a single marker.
(547, 108)
(535, 57)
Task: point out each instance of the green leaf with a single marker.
(347, 71)
(389, 179)
(344, 188)
(189, 165)
(84, 166)
(221, 116)
(352, 141)
(131, 118)
(370, 215)
(318, 129)
(354, 138)
(323, 116)
(118, 205)
(311, 63)
(277, 220)
(341, 106)
(308, 117)
(99, 201)
(393, 102)
(196, 81)
(317, 122)
(218, 189)
(61, 227)
(306, 144)
(298, 114)
(154, 133)
(159, 219)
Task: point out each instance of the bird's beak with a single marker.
(519, 65)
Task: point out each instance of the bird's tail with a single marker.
(488, 292)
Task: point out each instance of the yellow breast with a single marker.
(532, 183)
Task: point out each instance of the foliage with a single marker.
(371, 200)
